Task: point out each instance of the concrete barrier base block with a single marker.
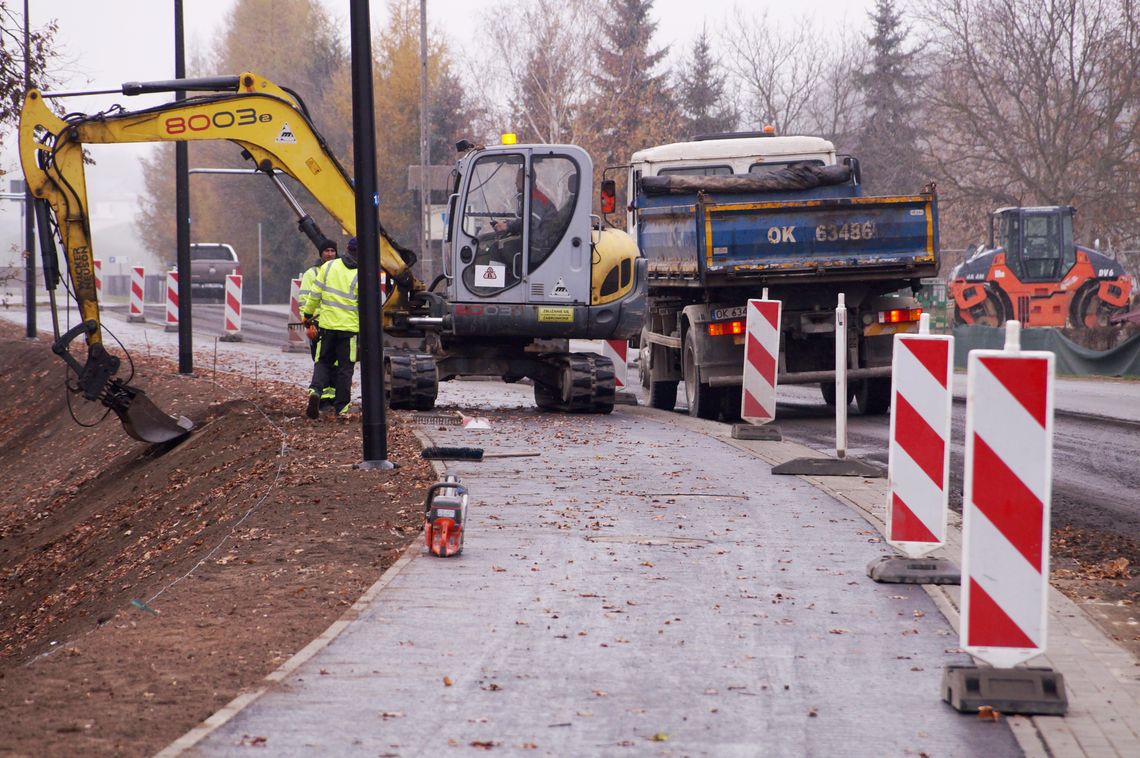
(1019, 690)
(136, 319)
(828, 467)
(170, 328)
(230, 338)
(893, 569)
(625, 398)
(754, 432)
(294, 347)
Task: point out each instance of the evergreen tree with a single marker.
(888, 144)
(632, 107)
(704, 106)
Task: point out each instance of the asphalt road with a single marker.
(1096, 484)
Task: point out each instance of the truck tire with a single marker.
(412, 381)
(827, 389)
(643, 360)
(873, 396)
(730, 403)
(663, 395)
(703, 400)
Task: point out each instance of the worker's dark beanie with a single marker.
(349, 256)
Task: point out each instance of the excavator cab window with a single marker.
(492, 219)
(507, 206)
(553, 199)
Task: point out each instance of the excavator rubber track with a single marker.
(585, 385)
(413, 384)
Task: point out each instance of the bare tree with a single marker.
(1037, 102)
(40, 51)
(835, 110)
(780, 68)
(534, 80)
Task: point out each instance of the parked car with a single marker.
(210, 263)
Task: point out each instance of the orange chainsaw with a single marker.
(445, 512)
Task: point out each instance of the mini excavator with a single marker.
(526, 268)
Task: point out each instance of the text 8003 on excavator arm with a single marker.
(266, 121)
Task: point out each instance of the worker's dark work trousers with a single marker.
(336, 359)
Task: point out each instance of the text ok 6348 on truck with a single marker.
(525, 269)
(722, 218)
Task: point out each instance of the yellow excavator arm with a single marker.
(257, 115)
(266, 121)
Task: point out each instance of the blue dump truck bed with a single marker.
(728, 239)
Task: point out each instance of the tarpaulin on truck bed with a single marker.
(797, 176)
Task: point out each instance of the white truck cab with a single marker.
(726, 156)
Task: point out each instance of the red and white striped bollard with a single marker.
(618, 352)
(1006, 493)
(761, 357)
(296, 342)
(232, 316)
(171, 301)
(1007, 488)
(138, 283)
(918, 458)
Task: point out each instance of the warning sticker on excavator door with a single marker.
(560, 289)
(556, 315)
(286, 136)
(492, 275)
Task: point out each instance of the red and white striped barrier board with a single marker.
(918, 457)
(761, 354)
(1007, 487)
(98, 279)
(233, 306)
(171, 301)
(296, 342)
(138, 282)
(618, 352)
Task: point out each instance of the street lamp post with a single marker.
(374, 425)
(29, 222)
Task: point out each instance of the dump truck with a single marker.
(721, 219)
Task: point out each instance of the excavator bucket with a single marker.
(141, 418)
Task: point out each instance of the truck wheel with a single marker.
(702, 399)
(730, 403)
(873, 396)
(643, 361)
(663, 395)
(827, 389)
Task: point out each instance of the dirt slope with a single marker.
(142, 588)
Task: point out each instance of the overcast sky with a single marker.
(107, 42)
